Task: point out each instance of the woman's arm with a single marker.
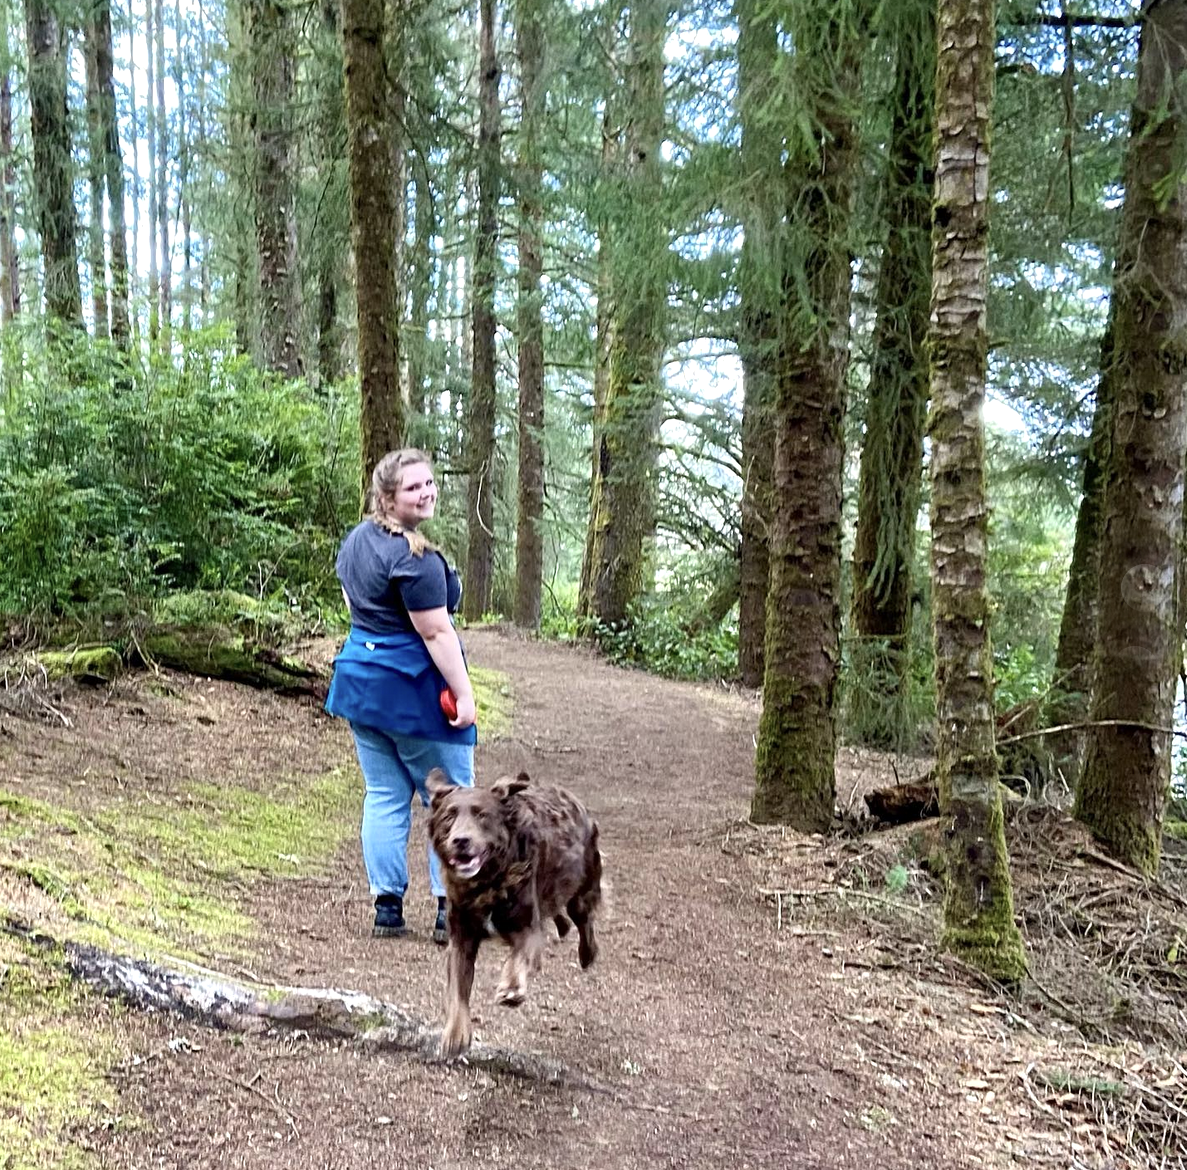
(445, 649)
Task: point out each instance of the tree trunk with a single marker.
(421, 276)
(1127, 768)
(150, 117)
(113, 162)
(134, 266)
(10, 276)
(184, 153)
(163, 187)
(276, 229)
(480, 420)
(529, 544)
(979, 905)
(53, 170)
(1071, 684)
(892, 453)
(329, 254)
(604, 326)
(96, 246)
(762, 145)
(622, 516)
(795, 760)
(381, 409)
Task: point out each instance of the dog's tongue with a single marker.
(467, 869)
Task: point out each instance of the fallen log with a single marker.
(220, 1001)
(916, 800)
(901, 803)
(215, 652)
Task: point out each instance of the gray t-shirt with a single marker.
(384, 580)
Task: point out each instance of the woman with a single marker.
(401, 653)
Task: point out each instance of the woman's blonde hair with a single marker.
(386, 480)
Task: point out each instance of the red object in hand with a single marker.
(449, 703)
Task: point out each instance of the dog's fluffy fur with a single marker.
(514, 855)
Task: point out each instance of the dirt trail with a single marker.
(714, 1038)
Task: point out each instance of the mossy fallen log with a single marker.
(85, 664)
(217, 653)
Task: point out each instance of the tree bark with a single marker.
(762, 144)
(421, 272)
(10, 276)
(480, 415)
(1127, 769)
(529, 544)
(276, 226)
(327, 243)
(622, 515)
(96, 245)
(892, 452)
(1071, 684)
(796, 755)
(113, 163)
(381, 411)
(150, 117)
(53, 170)
(978, 906)
(166, 285)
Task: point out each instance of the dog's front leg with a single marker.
(527, 946)
(459, 1033)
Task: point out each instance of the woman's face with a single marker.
(416, 497)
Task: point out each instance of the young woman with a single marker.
(401, 654)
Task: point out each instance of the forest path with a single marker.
(715, 1038)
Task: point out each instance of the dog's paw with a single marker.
(510, 996)
(456, 1038)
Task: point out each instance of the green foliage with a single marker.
(120, 482)
(656, 638)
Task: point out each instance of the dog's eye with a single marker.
(448, 817)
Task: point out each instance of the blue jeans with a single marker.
(394, 769)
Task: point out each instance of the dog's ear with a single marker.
(506, 786)
(437, 784)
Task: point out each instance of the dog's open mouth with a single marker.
(468, 867)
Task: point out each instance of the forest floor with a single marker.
(761, 998)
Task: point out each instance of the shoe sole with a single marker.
(388, 931)
(440, 937)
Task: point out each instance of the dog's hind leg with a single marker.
(583, 906)
(562, 925)
(459, 1032)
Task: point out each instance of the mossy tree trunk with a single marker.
(372, 217)
(10, 277)
(480, 413)
(622, 513)
(96, 245)
(1126, 778)
(53, 169)
(273, 66)
(979, 904)
(762, 144)
(529, 537)
(1071, 684)
(113, 162)
(892, 452)
(329, 245)
(795, 763)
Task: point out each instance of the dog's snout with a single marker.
(461, 844)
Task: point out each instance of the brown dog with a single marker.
(514, 855)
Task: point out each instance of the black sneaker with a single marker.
(440, 930)
(389, 916)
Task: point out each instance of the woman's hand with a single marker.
(466, 712)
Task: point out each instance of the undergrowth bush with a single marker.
(121, 481)
(659, 639)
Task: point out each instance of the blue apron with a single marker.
(389, 682)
